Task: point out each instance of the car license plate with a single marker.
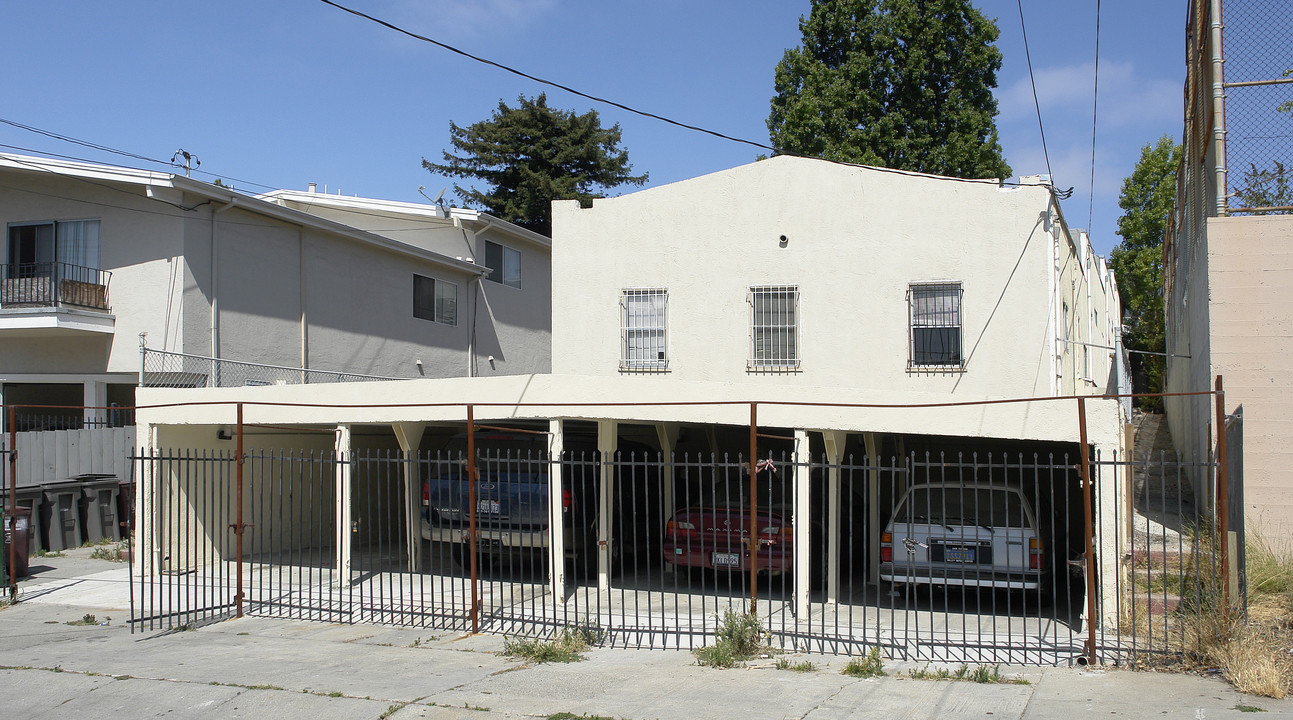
(958, 554)
(726, 559)
(489, 507)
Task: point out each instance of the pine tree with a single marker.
(903, 84)
(1146, 200)
(532, 154)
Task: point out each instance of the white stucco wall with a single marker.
(856, 239)
(140, 241)
(289, 292)
(512, 325)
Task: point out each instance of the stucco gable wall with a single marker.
(856, 239)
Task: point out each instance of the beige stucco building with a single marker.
(99, 256)
(827, 294)
(1227, 267)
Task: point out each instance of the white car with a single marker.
(966, 535)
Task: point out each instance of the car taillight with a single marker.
(426, 495)
(1036, 560)
(680, 528)
(886, 547)
(567, 501)
(770, 535)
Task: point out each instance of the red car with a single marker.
(714, 532)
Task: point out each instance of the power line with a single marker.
(88, 181)
(1095, 100)
(542, 81)
(84, 143)
(1063, 194)
(1033, 81)
(105, 148)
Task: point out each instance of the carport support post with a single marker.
(409, 436)
(341, 457)
(556, 531)
(667, 433)
(606, 432)
(802, 523)
(834, 442)
(1088, 529)
(872, 441)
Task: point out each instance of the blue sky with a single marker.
(291, 92)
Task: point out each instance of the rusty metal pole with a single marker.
(751, 523)
(239, 526)
(1223, 496)
(471, 518)
(13, 504)
(1088, 525)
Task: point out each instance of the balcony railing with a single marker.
(53, 284)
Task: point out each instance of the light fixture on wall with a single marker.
(784, 241)
(224, 433)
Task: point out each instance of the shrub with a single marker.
(866, 667)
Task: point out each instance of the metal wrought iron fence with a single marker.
(53, 284)
(160, 368)
(966, 557)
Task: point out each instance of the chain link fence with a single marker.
(1258, 56)
(178, 370)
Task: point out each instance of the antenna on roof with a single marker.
(190, 161)
(437, 200)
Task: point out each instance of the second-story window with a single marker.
(435, 300)
(504, 264)
(644, 314)
(935, 329)
(774, 328)
(34, 248)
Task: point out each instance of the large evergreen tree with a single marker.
(903, 84)
(1146, 200)
(532, 154)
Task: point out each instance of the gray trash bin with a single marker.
(33, 498)
(101, 503)
(64, 501)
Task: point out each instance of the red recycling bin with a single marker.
(17, 530)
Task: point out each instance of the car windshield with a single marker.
(989, 507)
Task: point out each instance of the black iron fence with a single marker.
(970, 557)
(53, 284)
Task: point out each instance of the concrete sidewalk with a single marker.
(285, 669)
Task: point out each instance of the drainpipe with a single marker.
(305, 326)
(215, 279)
(1219, 110)
(471, 338)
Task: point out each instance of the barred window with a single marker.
(774, 328)
(435, 300)
(935, 310)
(644, 315)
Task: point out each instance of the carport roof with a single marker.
(632, 399)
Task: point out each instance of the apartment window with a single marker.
(504, 264)
(35, 247)
(644, 314)
(435, 300)
(774, 328)
(935, 326)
